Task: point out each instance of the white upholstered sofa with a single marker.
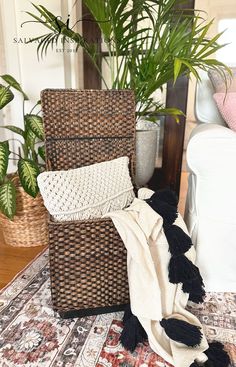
(211, 200)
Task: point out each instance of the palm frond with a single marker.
(142, 56)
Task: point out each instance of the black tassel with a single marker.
(194, 364)
(127, 313)
(132, 334)
(208, 364)
(195, 288)
(168, 196)
(182, 331)
(217, 356)
(197, 297)
(179, 242)
(181, 269)
(166, 211)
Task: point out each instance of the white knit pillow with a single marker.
(87, 192)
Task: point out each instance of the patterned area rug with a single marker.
(33, 335)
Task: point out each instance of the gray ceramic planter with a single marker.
(146, 151)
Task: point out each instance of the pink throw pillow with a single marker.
(226, 104)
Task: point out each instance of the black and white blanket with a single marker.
(162, 277)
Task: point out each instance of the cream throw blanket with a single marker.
(152, 296)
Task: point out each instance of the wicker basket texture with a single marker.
(29, 227)
(87, 258)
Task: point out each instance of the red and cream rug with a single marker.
(33, 335)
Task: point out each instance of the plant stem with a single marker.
(18, 155)
(23, 110)
(134, 46)
(36, 104)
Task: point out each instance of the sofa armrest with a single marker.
(211, 202)
(211, 159)
(212, 150)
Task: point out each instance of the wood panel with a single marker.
(174, 136)
(91, 33)
(172, 154)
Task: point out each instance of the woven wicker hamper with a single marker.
(87, 258)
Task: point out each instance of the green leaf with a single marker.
(170, 111)
(6, 96)
(14, 84)
(41, 152)
(174, 112)
(209, 44)
(203, 32)
(28, 172)
(177, 67)
(6, 144)
(15, 129)
(35, 123)
(30, 139)
(8, 199)
(99, 10)
(4, 154)
(191, 68)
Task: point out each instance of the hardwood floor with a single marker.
(13, 259)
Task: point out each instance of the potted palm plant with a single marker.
(22, 213)
(148, 43)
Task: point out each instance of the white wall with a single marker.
(56, 70)
(21, 58)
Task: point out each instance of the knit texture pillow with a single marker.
(87, 192)
(218, 81)
(226, 104)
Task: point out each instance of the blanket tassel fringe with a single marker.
(179, 242)
(195, 288)
(166, 211)
(181, 269)
(133, 332)
(168, 196)
(182, 331)
(217, 356)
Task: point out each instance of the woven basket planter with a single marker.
(29, 227)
